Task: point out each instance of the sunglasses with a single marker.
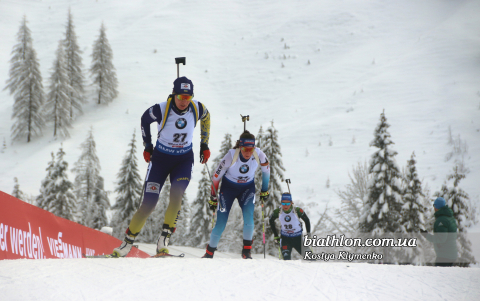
(286, 204)
(184, 97)
(247, 149)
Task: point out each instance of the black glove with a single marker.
(213, 203)
(147, 153)
(264, 196)
(204, 153)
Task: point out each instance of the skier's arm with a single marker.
(220, 170)
(152, 114)
(304, 217)
(265, 166)
(273, 217)
(204, 123)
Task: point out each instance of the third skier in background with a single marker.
(290, 226)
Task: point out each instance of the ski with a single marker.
(166, 255)
(99, 256)
(159, 255)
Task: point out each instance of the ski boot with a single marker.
(126, 245)
(209, 252)
(164, 238)
(247, 246)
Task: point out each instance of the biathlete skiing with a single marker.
(237, 173)
(172, 155)
(291, 228)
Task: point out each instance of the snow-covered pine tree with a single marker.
(87, 170)
(224, 148)
(62, 200)
(45, 193)
(74, 67)
(272, 150)
(17, 193)
(25, 83)
(58, 100)
(463, 212)
(346, 220)
(382, 211)
(413, 211)
(98, 210)
(200, 226)
(129, 189)
(102, 70)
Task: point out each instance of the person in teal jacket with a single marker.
(444, 238)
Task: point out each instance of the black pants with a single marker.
(287, 243)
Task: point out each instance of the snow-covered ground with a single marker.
(227, 277)
(322, 70)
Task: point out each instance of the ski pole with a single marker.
(263, 234)
(288, 182)
(214, 189)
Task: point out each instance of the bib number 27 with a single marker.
(179, 137)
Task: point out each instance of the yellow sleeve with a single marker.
(205, 126)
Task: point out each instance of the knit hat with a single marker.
(287, 197)
(439, 203)
(183, 85)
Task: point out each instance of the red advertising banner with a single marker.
(29, 232)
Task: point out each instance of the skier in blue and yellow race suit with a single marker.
(172, 155)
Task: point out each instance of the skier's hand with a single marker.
(264, 196)
(276, 240)
(213, 203)
(148, 151)
(204, 153)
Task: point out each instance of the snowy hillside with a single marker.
(227, 277)
(323, 71)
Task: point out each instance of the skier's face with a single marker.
(182, 101)
(286, 205)
(247, 152)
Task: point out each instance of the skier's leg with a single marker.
(154, 181)
(153, 184)
(247, 203)
(226, 197)
(286, 248)
(297, 244)
(179, 179)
